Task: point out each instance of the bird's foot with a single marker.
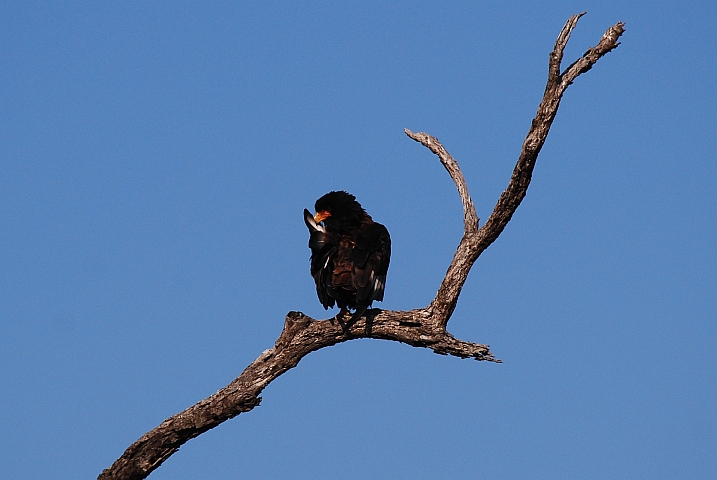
(344, 318)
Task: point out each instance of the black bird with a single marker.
(349, 254)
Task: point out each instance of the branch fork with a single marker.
(422, 327)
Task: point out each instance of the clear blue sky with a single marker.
(155, 159)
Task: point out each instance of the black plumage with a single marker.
(350, 253)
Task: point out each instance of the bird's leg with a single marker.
(360, 310)
(344, 312)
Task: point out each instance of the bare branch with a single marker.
(474, 243)
(470, 219)
(424, 327)
(447, 297)
(301, 336)
(556, 56)
(534, 141)
(607, 43)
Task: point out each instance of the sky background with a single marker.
(155, 159)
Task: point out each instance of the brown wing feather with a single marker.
(371, 256)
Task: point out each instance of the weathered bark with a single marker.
(422, 327)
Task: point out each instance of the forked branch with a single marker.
(422, 327)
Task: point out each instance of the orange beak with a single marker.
(321, 216)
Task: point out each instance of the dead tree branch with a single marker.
(422, 327)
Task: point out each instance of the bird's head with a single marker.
(339, 211)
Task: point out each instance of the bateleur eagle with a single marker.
(349, 254)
